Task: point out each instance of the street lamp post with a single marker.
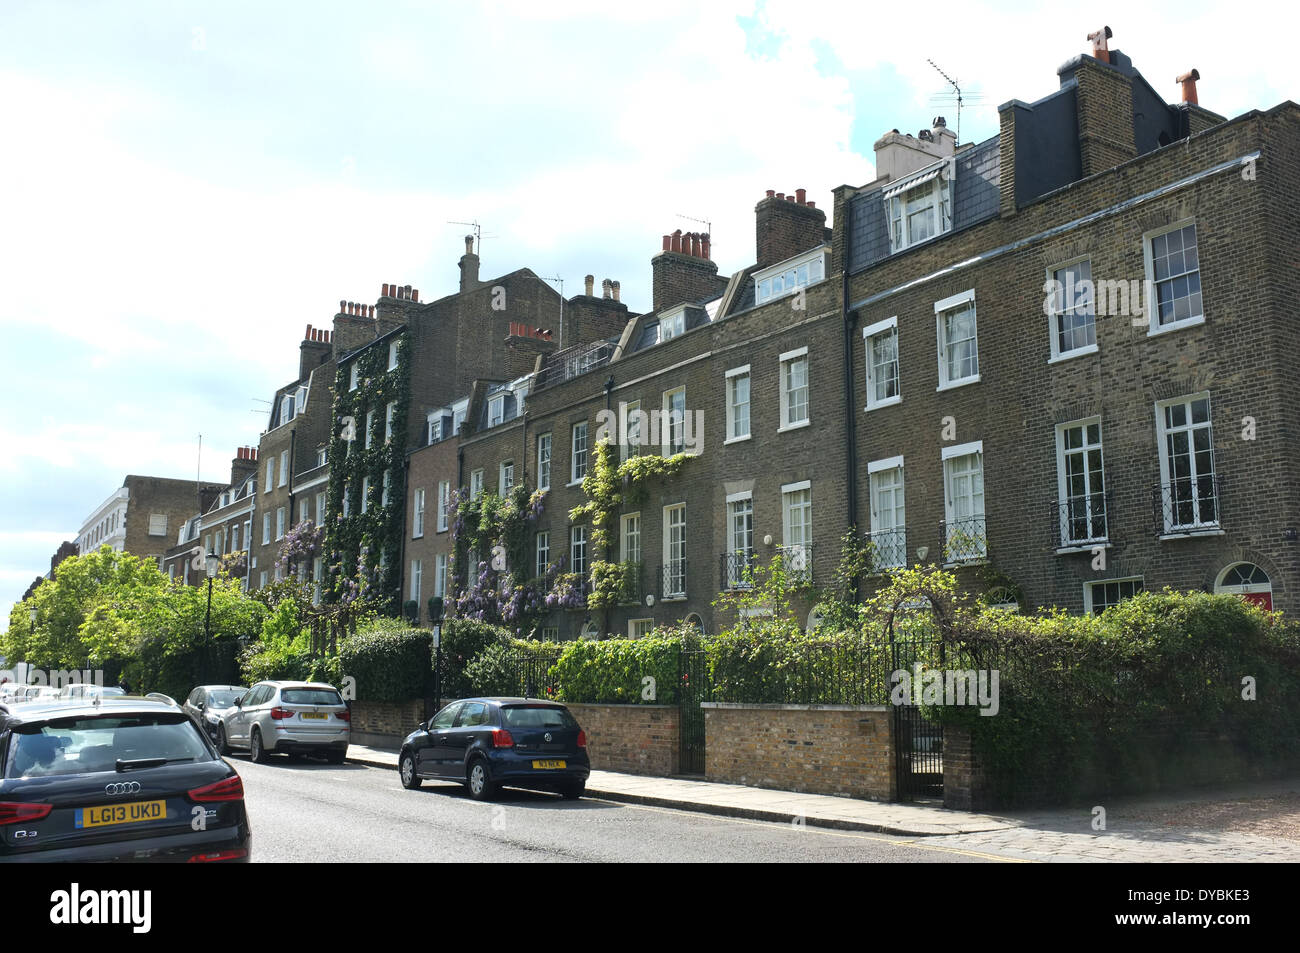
(211, 564)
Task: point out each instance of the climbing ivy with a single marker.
(479, 525)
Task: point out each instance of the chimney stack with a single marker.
(682, 271)
(1189, 86)
(589, 283)
(605, 289)
(243, 466)
(786, 225)
(614, 286)
(468, 267)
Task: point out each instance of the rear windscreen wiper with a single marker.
(146, 763)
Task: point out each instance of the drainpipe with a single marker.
(850, 418)
(609, 397)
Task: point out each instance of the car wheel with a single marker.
(479, 781)
(337, 756)
(223, 747)
(406, 768)
(574, 791)
(256, 752)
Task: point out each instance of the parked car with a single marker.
(160, 697)
(80, 690)
(42, 693)
(289, 717)
(207, 705)
(485, 743)
(122, 780)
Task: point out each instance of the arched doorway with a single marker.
(1248, 581)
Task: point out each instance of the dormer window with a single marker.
(671, 325)
(286, 409)
(919, 208)
(496, 410)
(790, 275)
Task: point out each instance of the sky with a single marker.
(185, 186)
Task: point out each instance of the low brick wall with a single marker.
(815, 749)
(384, 723)
(638, 739)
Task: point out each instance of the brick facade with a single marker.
(637, 739)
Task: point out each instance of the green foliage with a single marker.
(611, 583)
(390, 664)
(608, 487)
(282, 650)
(613, 671)
(462, 641)
(504, 668)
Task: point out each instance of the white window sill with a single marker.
(544, 489)
(1175, 326)
(681, 598)
(417, 536)
(1189, 533)
(887, 402)
(442, 529)
(977, 561)
(1083, 547)
(952, 385)
(799, 426)
(1069, 355)
(737, 439)
(577, 482)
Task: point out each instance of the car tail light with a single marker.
(344, 715)
(233, 854)
(13, 812)
(582, 738)
(278, 713)
(502, 739)
(227, 789)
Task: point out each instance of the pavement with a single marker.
(1151, 829)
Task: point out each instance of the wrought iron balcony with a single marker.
(672, 580)
(1187, 505)
(964, 540)
(889, 548)
(737, 569)
(1080, 520)
(797, 561)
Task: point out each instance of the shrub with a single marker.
(463, 640)
(389, 664)
(614, 671)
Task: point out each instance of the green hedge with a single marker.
(389, 665)
(614, 671)
(515, 667)
(463, 640)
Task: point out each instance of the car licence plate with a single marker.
(104, 815)
(320, 715)
(549, 764)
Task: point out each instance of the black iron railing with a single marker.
(1080, 520)
(1187, 505)
(796, 559)
(964, 540)
(737, 569)
(889, 548)
(672, 579)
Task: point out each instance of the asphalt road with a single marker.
(306, 810)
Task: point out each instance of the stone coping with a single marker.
(766, 706)
(616, 705)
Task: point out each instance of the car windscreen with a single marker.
(310, 696)
(222, 699)
(84, 745)
(537, 716)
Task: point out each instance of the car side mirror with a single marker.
(201, 706)
(239, 702)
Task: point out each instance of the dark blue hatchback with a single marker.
(487, 743)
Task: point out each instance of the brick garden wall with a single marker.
(385, 722)
(815, 749)
(639, 739)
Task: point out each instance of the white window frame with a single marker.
(1061, 306)
(575, 477)
(669, 558)
(1088, 587)
(947, 455)
(789, 357)
(736, 575)
(1154, 326)
(578, 536)
(1166, 479)
(504, 469)
(270, 475)
(476, 483)
(497, 410)
(1062, 486)
(440, 574)
(320, 509)
(444, 500)
(625, 535)
(888, 465)
(639, 628)
(939, 189)
(544, 461)
(869, 334)
(672, 324)
(392, 355)
(389, 411)
(941, 309)
(365, 494)
(266, 529)
(670, 429)
(628, 448)
(787, 277)
(347, 505)
(732, 377)
(387, 485)
(542, 553)
(370, 426)
(279, 523)
(354, 376)
(417, 529)
(417, 574)
(284, 467)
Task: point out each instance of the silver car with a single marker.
(290, 717)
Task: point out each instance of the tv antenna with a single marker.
(560, 281)
(478, 233)
(708, 226)
(955, 98)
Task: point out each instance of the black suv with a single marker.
(120, 779)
